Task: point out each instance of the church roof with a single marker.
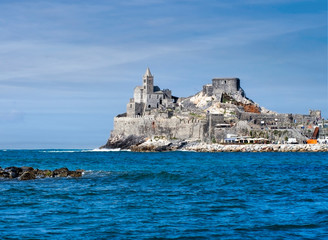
(156, 89)
(147, 73)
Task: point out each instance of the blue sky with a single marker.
(68, 67)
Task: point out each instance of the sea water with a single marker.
(172, 195)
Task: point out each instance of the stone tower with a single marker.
(148, 82)
(225, 85)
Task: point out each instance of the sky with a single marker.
(68, 67)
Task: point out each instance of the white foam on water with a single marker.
(184, 150)
(107, 150)
(86, 150)
(96, 173)
(61, 151)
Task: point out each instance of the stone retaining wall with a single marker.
(171, 128)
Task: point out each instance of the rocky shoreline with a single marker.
(161, 144)
(202, 147)
(29, 173)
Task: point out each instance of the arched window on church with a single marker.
(149, 106)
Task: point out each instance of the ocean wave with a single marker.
(107, 150)
(60, 151)
(96, 173)
(135, 176)
(82, 150)
(184, 150)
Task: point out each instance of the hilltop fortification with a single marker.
(219, 113)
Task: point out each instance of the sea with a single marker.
(169, 195)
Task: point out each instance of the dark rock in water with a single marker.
(163, 148)
(123, 142)
(27, 175)
(13, 169)
(77, 173)
(43, 173)
(25, 169)
(61, 172)
(4, 174)
(13, 172)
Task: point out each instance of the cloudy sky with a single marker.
(68, 67)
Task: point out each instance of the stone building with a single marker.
(221, 108)
(148, 97)
(223, 85)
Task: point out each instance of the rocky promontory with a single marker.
(218, 115)
(162, 144)
(123, 142)
(29, 173)
(204, 147)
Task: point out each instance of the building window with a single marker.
(130, 105)
(148, 106)
(144, 81)
(225, 82)
(144, 87)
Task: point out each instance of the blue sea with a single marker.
(171, 195)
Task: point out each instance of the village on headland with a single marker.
(219, 118)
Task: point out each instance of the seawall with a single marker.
(171, 128)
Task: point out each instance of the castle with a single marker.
(148, 97)
(223, 85)
(218, 110)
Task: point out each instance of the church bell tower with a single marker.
(148, 82)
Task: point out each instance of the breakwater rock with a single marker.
(123, 142)
(158, 145)
(29, 173)
(162, 144)
(203, 147)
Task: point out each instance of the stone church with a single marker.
(148, 97)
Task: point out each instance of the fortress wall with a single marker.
(227, 85)
(208, 90)
(149, 126)
(281, 119)
(303, 119)
(133, 109)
